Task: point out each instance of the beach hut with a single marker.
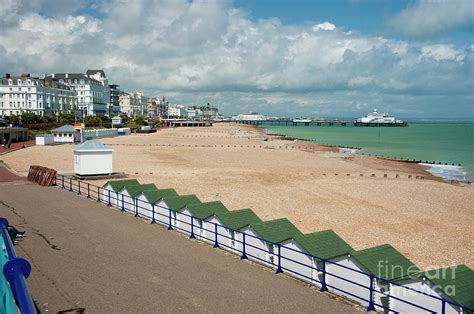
(359, 267)
(193, 217)
(228, 225)
(260, 239)
(92, 158)
(147, 200)
(66, 134)
(129, 194)
(169, 206)
(455, 284)
(110, 191)
(301, 255)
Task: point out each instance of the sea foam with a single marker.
(446, 172)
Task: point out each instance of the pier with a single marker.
(326, 122)
(296, 123)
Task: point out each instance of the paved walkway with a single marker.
(16, 145)
(86, 255)
(8, 176)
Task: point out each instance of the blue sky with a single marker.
(290, 58)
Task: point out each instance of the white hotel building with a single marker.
(92, 89)
(19, 94)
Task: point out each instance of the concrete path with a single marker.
(86, 255)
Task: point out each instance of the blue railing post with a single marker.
(170, 227)
(323, 280)
(108, 202)
(78, 187)
(15, 271)
(192, 228)
(135, 202)
(98, 195)
(244, 255)
(443, 306)
(88, 190)
(279, 260)
(123, 204)
(62, 179)
(153, 221)
(371, 307)
(70, 184)
(216, 243)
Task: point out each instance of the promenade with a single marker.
(86, 255)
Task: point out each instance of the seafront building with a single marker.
(20, 94)
(114, 105)
(176, 111)
(92, 90)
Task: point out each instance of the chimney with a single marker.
(52, 75)
(65, 75)
(45, 74)
(7, 75)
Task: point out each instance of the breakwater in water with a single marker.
(448, 145)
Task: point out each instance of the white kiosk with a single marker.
(92, 158)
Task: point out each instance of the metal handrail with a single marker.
(171, 223)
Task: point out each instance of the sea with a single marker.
(450, 143)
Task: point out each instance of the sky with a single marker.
(413, 59)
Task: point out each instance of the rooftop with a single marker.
(324, 244)
(65, 128)
(461, 277)
(92, 145)
(118, 185)
(208, 209)
(154, 196)
(277, 230)
(135, 190)
(177, 202)
(238, 219)
(386, 262)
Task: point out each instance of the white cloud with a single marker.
(442, 52)
(326, 26)
(425, 19)
(209, 51)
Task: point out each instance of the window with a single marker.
(232, 238)
(270, 253)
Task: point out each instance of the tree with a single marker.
(124, 118)
(29, 118)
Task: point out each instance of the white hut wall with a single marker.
(144, 208)
(128, 202)
(291, 251)
(430, 303)
(255, 248)
(223, 234)
(362, 279)
(184, 218)
(162, 212)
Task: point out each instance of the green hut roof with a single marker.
(177, 202)
(386, 262)
(205, 210)
(277, 230)
(118, 185)
(134, 190)
(238, 219)
(324, 244)
(154, 196)
(460, 277)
